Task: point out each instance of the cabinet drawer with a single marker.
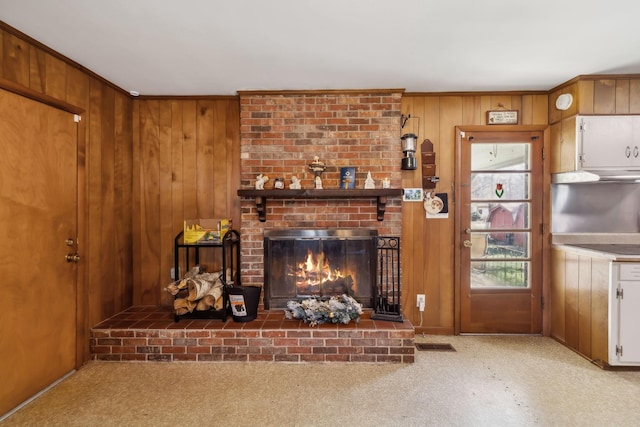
(629, 271)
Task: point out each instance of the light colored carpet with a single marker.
(488, 381)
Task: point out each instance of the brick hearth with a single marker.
(148, 333)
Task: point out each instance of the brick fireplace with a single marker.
(280, 135)
(281, 132)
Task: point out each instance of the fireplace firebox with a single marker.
(319, 263)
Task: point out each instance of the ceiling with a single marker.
(218, 47)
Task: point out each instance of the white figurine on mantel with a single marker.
(295, 183)
(318, 181)
(260, 180)
(369, 182)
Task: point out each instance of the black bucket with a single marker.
(244, 302)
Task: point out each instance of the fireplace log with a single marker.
(342, 285)
(212, 299)
(200, 285)
(183, 306)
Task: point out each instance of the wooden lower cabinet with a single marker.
(579, 303)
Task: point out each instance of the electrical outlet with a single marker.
(173, 274)
(421, 301)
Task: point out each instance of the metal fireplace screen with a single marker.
(321, 263)
(387, 303)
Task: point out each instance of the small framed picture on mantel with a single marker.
(502, 117)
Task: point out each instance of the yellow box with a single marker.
(205, 230)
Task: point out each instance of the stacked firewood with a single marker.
(198, 291)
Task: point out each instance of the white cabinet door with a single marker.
(606, 142)
(629, 320)
(635, 142)
(625, 316)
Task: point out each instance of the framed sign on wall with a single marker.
(502, 117)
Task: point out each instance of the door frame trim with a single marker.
(546, 213)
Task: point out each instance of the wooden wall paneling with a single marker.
(622, 96)
(568, 142)
(205, 166)
(190, 113)
(15, 54)
(472, 110)
(586, 93)
(77, 88)
(435, 277)
(136, 200)
(604, 96)
(221, 161)
(584, 306)
(107, 266)
(190, 158)
(37, 69)
(486, 104)
(517, 104)
(205, 159)
(177, 184)
(94, 200)
(233, 160)
(556, 297)
(501, 102)
(600, 309)
(166, 231)
(2, 36)
(540, 107)
(187, 145)
(451, 115)
(410, 281)
(150, 203)
(556, 147)
(526, 110)
(546, 235)
(634, 96)
(412, 258)
(55, 84)
(123, 170)
(571, 299)
(555, 115)
(427, 249)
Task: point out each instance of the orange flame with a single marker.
(316, 269)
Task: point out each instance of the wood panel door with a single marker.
(38, 214)
(499, 224)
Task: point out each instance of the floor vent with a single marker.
(426, 346)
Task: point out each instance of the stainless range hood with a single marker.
(588, 176)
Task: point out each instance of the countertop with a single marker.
(623, 247)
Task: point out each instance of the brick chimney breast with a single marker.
(281, 132)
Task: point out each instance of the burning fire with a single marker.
(315, 276)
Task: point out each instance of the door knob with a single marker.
(467, 230)
(69, 242)
(467, 243)
(72, 258)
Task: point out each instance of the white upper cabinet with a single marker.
(608, 142)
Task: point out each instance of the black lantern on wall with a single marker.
(409, 149)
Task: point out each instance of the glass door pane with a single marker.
(500, 215)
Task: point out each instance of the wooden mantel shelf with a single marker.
(261, 196)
